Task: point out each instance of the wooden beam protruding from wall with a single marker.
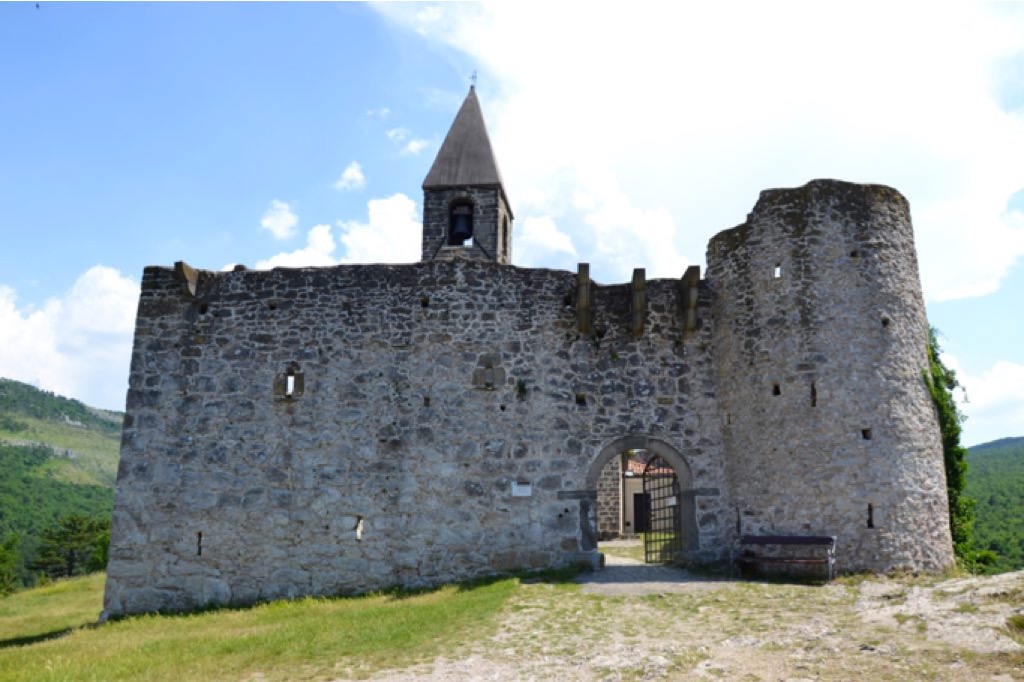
(638, 288)
(691, 292)
(583, 319)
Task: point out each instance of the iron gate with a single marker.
(664, 536)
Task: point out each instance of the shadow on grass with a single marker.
(34, 639)
(560, 575)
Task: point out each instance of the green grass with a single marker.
(300, 640)
(1015, 624)
(57, 607)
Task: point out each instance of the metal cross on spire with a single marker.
(473, 78)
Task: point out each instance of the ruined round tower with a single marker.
(820, 347)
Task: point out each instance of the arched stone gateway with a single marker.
(669, 455)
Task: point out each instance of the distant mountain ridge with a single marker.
(1000, 443)
(17, 398)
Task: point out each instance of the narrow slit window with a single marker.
(290, 383)
(814, 395)
(776, 389)
(359, 528)
(199, 544)
(871, 515)
(777, 273)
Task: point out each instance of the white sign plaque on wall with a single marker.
(521, 489)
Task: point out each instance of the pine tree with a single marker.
(69, 547)
(8, 564)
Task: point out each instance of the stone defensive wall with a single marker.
(820, 347)
(318, 431)
(342, 429)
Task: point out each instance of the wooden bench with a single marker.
(749, 558)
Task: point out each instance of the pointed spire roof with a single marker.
(466, 157)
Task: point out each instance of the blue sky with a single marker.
(288, 134)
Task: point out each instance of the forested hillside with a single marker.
(58, 458)
(995, 481)
(17, 398)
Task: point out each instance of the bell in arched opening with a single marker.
(461, 225)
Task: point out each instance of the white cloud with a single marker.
(994, 403)
(351, 178)
(319, 250)
(392, 234)
(78, 345)
(415, 146)
(280, 220)
(676, 126)
(538, 242)
(381, 113)
(426, 17)
(627, 237)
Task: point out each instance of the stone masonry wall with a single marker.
(820, 343)
(609, 500)
(420, 394)
(337, 430)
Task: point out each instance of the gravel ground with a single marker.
(630, 621)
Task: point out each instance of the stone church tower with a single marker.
(465, 209)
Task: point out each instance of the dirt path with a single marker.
(623, 577)
(636, 622)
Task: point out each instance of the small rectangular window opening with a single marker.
(776, 389)
(814, 395)
(581, 399)
(777, 273)
(359, 528)
(289, 387)
(871, 515)
(199, 544)
(865, 434)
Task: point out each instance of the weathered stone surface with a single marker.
(429, 389)
(819, 376)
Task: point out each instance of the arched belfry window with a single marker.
(460, 224)
(504, 235)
